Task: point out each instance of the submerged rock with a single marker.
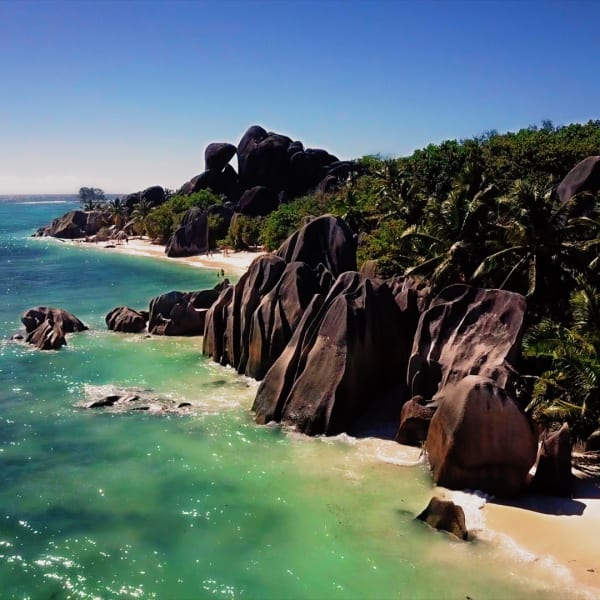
(445, 516)
(131, 400)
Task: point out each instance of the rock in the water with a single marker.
(414, 421)
(337, 365)
(480, 439)
(134, 400)
(553, 468)
(466, 331)
(181, 313)
(126, 320)
(445, 516)
(70, 226)
(218, 154)
(47, 336)
(34, 317)
(278, 315)
(325, 240)
(583, 177)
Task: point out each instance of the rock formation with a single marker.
(583, 177)
(445, 516)
(46, 327)
(553, 466)
(192, 236)
(74, 224)
(338, 365)
(182, 313)
(326, 240)
(126, 320)
(479, 438)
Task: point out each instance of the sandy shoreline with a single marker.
(559, 532)
(234, 263)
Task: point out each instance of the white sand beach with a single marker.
(232, 263)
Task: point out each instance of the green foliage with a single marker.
(164, 219)
(281, 223)
(244, 232)
(91, 198)
(569, 390)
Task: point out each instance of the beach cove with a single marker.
(142, 506)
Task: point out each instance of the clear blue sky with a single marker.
(122, 95)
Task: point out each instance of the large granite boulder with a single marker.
(466, 331)
(34, 317)
(479, 438)
(182, 313)
(153, 195)
(215, 343)
(415, 417)
(338, 366)
(258, 201)
(218, 154)
(326, 240)
(278, 315)
(47, 336)
(191, 237)
(583, 177)
(263, 159)
(126, 320)
(553, 466)
(46, 327)
(71, 225)
(445, 516)
(260, 278)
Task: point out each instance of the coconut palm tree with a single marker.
(570, 388)
(117, 211)
(454, 235)
(541, 245)
(139, 215)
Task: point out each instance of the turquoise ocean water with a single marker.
(99, 505)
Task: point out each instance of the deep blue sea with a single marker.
(105, 505)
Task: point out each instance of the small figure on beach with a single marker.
(222, 273)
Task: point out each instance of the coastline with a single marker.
(234, 263)
(553, 533)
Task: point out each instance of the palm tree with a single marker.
(140, 213)
(541, 246)
(454, 236)
(117, 211)
(570, 388)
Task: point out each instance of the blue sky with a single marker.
(123, 95)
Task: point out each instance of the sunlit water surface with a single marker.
(136, 505)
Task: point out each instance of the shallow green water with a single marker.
(135, 505)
